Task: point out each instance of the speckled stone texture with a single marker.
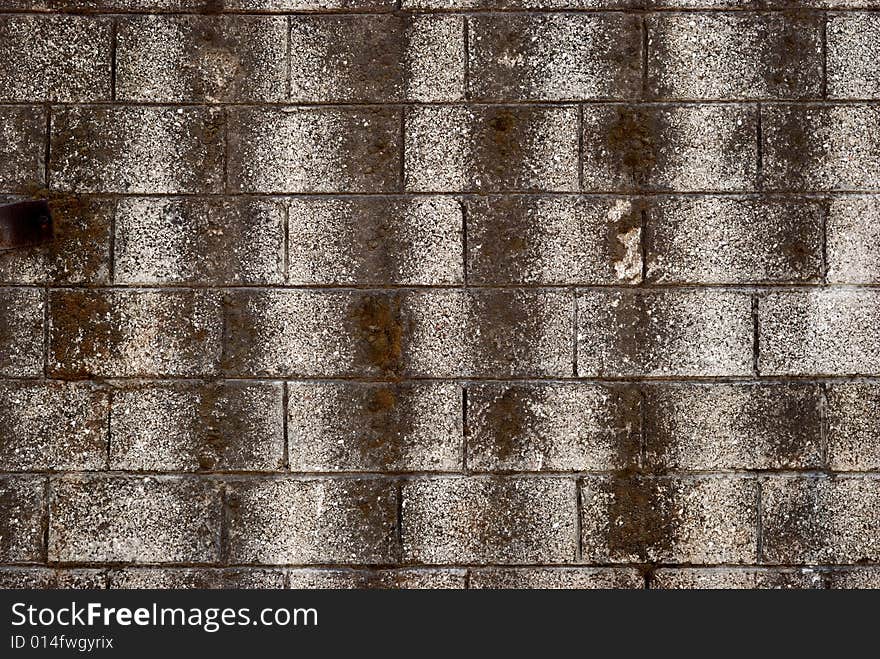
(441, 294)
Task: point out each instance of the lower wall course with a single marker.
(203, 578)
(556, 578)
(736, 578)
(700, 520)
(489, 520)
(820, 519)
(22, 519)
(351, 521)
(410, 579)
(42, 578)
(109, 519)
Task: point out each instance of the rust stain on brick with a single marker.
(390, 420)
(509, 418)
(632, 138)
(381, 330)
(642, 520)
(213, 427)
(89, 327)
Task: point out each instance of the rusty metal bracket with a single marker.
(25, 224)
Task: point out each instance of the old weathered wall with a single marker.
(458, 293)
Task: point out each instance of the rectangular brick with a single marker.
(735, 578)
(699, 520)
(22, 148)
(298, 149)
(717, 4)
(734, 240)
(439, 333)
(476, 148)
(206, 6)
(516, 5)
(113, 333)
(40, 578)
(819, 332)
(686, 148)
(853, 239)
(80, 251)
(375, 241)
(561, 578)
(408, 579)
(224, 426)
(517, 520)
(821, 147)
(857, 578)
(829, 4)
(312, 521)
(552, 427)
(53, 426)
(558, 239)
(554, 57)
(853, 49)
(374, 427)
(201, 578)
(22, 519)
(853, 412)
(21, 332)
(55, 58)
(231, 241)
(135, 520)
(733, 427)
(735, 55)
(699, 332)
(176, 59)
(137, 149)
(377, 59)
(820, 520)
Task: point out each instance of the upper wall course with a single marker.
(735, 55)
(170, 59)
(554, 57)
(55, 58)
(852, 49)
(380, 59)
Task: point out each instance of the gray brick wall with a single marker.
(441, 294)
